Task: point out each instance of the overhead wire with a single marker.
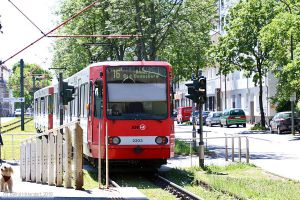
(51, 31)
(26, 17)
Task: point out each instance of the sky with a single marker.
(18, 32)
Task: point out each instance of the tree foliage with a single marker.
(241, 48)
(282, 37)
(30, 70)
(177, 31)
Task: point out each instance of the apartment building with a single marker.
(235, 90)
(6, 109)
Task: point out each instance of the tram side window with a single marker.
(42, 105)
(76, 102)
(36, 106)
(50, 104)
(98, 101)
(85, 100)
(82, 100)
(90, 98)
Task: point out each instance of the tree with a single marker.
(188, 43)
(30, 70)
(155, 21)
(241, 48)
(177, 31)
(282, 37)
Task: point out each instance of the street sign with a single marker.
(13, 99)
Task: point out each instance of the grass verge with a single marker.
(11, 140)
(243, 180)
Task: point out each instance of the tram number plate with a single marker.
(137, 140)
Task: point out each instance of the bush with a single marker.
(258, 127)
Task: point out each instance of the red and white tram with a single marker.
(43, 109)
(129, 100)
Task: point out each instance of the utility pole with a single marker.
(61, 106)
(22, 93)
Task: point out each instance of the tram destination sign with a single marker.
(13, 99)
(134, 74)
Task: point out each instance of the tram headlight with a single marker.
(114, 140)
(161, 140)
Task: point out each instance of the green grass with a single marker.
(246, 181)
(11, 140)
(183, 148)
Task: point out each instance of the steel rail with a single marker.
(177, 190)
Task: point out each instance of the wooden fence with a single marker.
(54, 158)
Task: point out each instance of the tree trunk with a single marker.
(141, 50)
(152, 50)
(261, 106)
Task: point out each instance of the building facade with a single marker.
(6, 109)
(235, 90)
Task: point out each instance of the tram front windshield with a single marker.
(137, 92)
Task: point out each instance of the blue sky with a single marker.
(18, 32)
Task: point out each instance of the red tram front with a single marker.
(131, 104)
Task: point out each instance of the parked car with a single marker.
(282, 122)
(196, 114)
(214, 118)
(183, 114)
(18, 112)
(233, 116)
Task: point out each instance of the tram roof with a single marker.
(128, 63)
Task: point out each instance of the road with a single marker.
(279, 154)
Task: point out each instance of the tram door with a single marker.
(90, 111)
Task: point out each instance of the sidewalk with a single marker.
(28, 190)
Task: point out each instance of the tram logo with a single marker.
(142, 127)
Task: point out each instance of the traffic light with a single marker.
(202, 88)
(67, 93)
(192, 93)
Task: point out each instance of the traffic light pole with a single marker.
(200, 132)
(194, 124)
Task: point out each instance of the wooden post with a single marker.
(51, 159)
(23, 161)
(33, 161)
(28, 157)
(78, 151)
(59, 159)
(68, 158)
(247, 150)
(39, 153)
(45, 159)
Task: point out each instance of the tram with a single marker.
(127, 102)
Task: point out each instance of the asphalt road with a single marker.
(279, 154)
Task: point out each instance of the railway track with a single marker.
(14, 127)
(174, 189)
